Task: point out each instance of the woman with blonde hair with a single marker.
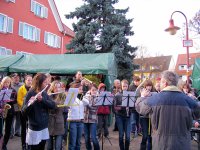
(6, 85)
(56, 121)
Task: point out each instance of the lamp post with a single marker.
(186, 43)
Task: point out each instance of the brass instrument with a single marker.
(87, 80)
(137, 91)
(6, 107)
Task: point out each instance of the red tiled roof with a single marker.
(68, 31)
(159, 63)
(182, 60)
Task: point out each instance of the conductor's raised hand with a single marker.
(144, 92)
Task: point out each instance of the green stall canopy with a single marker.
(98, 63)
(67, 64)
(196, 75)
(7, 60)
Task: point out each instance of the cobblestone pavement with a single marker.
(15, 143)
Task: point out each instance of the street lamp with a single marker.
(186, 43)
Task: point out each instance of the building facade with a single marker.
(32, 27)
(152, 67)
(181, 64)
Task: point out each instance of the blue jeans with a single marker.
(75, 133)
(146, 134)
(90, 129)
(58, 142)
(124, 126)
(134, 122)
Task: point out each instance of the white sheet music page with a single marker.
(105, 98)
(71, 96)
(5, 94)
(128, 95)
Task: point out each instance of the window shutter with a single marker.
(37, 34)
(45, 37)
(8, 52)
(58, 42)
(33, 5)
(45, 12)
(10, 25)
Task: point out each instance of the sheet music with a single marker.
(125, 96)
(104, 99)
(71, 96)
(5, 94)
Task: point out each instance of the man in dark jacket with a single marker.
(171, 114)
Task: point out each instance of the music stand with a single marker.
(128, 100)
(71, 97)
(70, 101)
(5, 96)
(104, 99)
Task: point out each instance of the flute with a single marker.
(35, 97)
(56, 93)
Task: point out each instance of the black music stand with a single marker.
(104, 99)
(128, 100)
(197, 131)
(5, 96)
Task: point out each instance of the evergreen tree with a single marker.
(101, 29)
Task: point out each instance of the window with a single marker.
(182, 67)
(39, 9)
(6, 24)
(191, 67)
(52, 39)
(10, 1)
(22, 53)
(29, 32)
(4, 51)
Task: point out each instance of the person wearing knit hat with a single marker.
(103, 113)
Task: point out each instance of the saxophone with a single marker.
(6, 107)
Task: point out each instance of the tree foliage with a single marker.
(101, 29)
(195, 23)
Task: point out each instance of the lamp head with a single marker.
(172, 29)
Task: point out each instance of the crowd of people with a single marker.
(164, 112)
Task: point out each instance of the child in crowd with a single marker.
(123, 118)
(90, 119)
(103, 114)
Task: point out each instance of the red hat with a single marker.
(101, 85)
(158, 79)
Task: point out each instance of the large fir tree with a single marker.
(100, 29)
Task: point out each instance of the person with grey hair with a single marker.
(171, 113)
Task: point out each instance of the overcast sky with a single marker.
(150, 18)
